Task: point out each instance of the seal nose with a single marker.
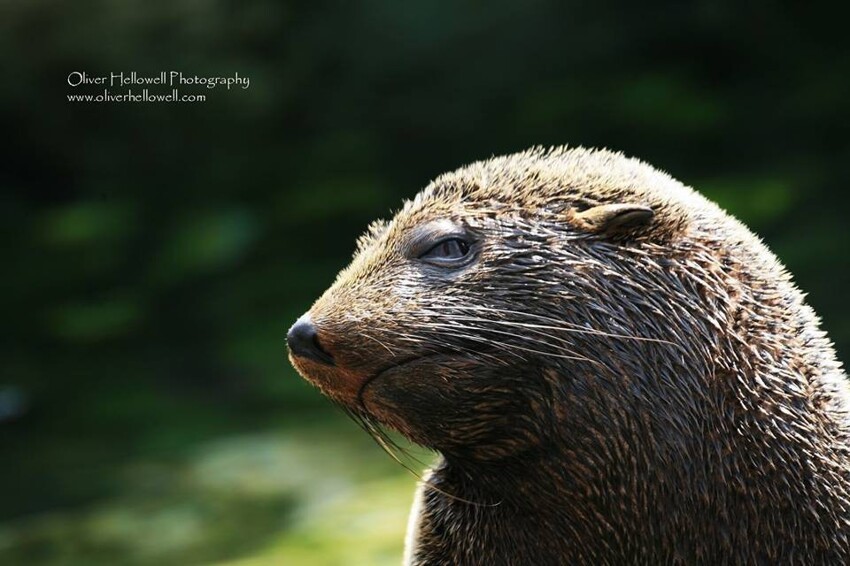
(303, 341)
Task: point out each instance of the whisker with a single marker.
(387, 444)
(537, 331)
(560, 324)
(437, 345)
(575, 356)
(387, 348)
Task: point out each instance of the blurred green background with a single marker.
(155, 254)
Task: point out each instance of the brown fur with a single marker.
(655, 393)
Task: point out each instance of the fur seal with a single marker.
(612, 369)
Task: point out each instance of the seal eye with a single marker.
(447, 252)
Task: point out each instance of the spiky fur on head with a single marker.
(651, 395)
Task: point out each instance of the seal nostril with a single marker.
(303, 341)
(318, 345)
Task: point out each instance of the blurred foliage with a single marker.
(156, 253)
(299, 498)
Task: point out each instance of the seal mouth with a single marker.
(366, 382)
(441, 356)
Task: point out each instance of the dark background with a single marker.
(155, 254)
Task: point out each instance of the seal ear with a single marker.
(613, 217)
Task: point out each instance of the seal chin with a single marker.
(418, 383)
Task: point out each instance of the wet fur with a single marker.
(660, 394)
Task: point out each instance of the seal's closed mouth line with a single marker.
(381, 372)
